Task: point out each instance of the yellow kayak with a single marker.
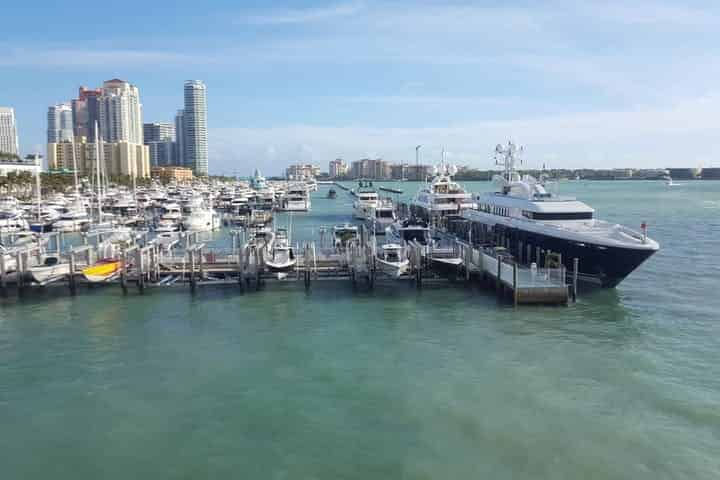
(102, 270)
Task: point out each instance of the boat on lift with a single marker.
(281, 256)
(103, 270)
(524, 211)
(391, 260)
(344, 235)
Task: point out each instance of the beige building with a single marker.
(172, 173)
(302, 172)
(121, 158)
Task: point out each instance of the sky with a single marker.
(581, 84)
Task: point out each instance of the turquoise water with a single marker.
(394, 383)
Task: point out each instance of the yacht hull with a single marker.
(598, 265)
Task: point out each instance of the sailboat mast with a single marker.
(39, 192)
(97, 171)
(75, 174)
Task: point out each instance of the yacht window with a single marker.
(560, 215)
(385, 214)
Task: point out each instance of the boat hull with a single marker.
(102, 271)
(602, 266)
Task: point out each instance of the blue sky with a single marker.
(579, 83)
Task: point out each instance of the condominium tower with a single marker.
(195, 146)
(60, 123)
(8, 131)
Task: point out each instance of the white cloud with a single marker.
(678, 134)
(300, 16)
(66, 57)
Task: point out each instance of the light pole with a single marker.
(417, 162)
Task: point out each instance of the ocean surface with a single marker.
(441, 383)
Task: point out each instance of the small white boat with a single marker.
(281, 257)
(52, 268)
(390, 259)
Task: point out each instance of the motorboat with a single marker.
(409, 231)
(51, 269)
(73, 219)
(524, 214)
(332, 194)
(296, 199)
(380, 216)
(200, 218)
(391, 260)
(281, 256)
(442, 196)
(366, 198)
(12, 221)
(103, 270)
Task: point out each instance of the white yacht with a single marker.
(170, 218)
(297, 198)
(524, 213)
(442, 195)
(73, 219)
(366, 198)
(381, 216)
(200, 218)
(12, 221)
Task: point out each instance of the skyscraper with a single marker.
(120, 112)
(60, 123)
(8, 131)
(195, 145)
(86, 112)
(180, 138)
(160, 138)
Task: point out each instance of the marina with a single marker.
(161, 246)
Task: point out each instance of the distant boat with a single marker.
(332, 194)
(103, 270)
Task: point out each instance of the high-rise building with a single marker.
(180, 138)
(8, 131)
(302, 172)
(60, 123)
(376, 169)
(160, 139)
(158, 132)
(120, 112)
(195, 147)
(86, 112)
(337, 168)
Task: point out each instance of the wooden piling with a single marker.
(71, 276)
(3, 279)
(515, 284)
(123, 271)
(576, 267)
(498, 279)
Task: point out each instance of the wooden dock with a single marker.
(193, 264)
